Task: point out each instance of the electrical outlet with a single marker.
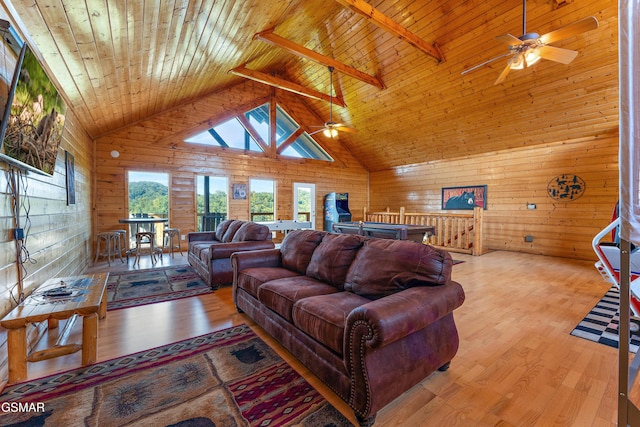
(528, 238)
(531, 205)
(183, 237)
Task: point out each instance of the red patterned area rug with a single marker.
(133, 288)
(226, 378)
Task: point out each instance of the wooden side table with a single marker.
(57, 299)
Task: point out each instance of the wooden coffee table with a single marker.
(57, 299)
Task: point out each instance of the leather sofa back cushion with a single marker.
(251, 231)
(384, 266)
(331, 260)
(297, 248)
(222, 228)
(231, 230)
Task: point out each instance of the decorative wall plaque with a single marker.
(566, 187)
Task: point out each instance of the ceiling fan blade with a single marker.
(503, 74)
(586, 24)
(317, 131)
(342, 128)
(475, 67)
(509, 39)
(564, 56)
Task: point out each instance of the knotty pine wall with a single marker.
(514, 178)
(156, 144)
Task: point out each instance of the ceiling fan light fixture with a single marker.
(517, 62)
(532, 55)
(330, 132)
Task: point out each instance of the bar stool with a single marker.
(122, 242)
(111, 241)
(146, 238)
(169, 236)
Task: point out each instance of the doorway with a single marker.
(304, 202)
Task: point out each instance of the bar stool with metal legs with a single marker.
(111, 246)
(170, 236)
(146, 238)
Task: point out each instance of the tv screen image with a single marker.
(35, 118)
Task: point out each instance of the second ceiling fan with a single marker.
(529, 48)
(330, 129)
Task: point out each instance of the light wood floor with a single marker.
(517, 365)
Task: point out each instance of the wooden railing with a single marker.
(455, 232)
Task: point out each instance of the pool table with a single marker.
(385, 231)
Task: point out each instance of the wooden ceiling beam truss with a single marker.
(268, 36)
(279, 83)
(378, 18)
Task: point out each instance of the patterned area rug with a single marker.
(602, 322)
(225, 379)
(142, 287)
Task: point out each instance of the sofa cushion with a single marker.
(332, 258)
(251, 279)
(251, 231)
(279, 295)
(231, 230)
(384, 266)
(222, 228)
(324, 317)
(297, 248)
(201, 249)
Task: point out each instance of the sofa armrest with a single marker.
(395, 316)
(201, 236)
(259, 258)
(225, 250)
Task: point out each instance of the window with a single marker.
(262, 200)
(242, 132)
(148, 198)
(229, 134)
(212, 201)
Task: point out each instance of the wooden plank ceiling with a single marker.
(121, 61)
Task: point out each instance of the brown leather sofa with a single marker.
(210, 251)
(370, 317)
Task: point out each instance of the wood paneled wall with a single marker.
(57, 235)
(515, 178)
(156, 144)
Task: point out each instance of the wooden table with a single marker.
(57, 299)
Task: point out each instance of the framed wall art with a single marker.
(239, 191)
(469, 197)
(70, 167)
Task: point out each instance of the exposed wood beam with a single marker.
(269, 37)
(389, 25)
(285, 85)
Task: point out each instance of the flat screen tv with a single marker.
(33, 119)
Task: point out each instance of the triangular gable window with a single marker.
(229, 134)
(241, 133)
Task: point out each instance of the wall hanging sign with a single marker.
(566, 187)
(464, 197)
(239, 191)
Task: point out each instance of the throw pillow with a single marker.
(384, 266)
(331, 260)
(222, 228)
(297, 248)
(231, 230)
(251, 231)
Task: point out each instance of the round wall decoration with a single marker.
(566, 187)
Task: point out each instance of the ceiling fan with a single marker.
(527, 49)
(330, 129)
